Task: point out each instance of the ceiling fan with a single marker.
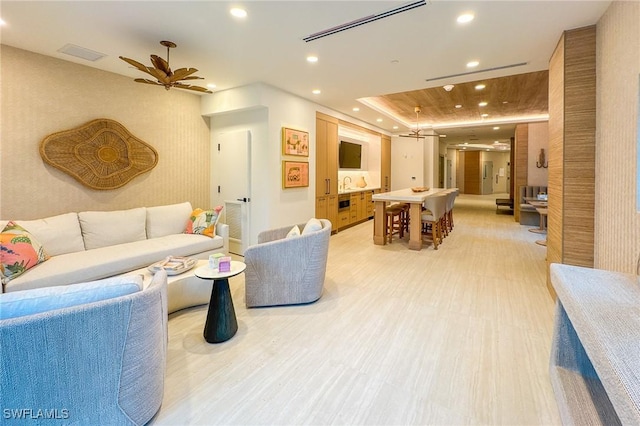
(163, 74)
(417, 133)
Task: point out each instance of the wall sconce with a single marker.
(541, 160)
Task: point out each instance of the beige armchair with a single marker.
(286, 271)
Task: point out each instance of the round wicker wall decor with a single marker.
(101, 154)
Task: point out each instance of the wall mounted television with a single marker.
(350, 155)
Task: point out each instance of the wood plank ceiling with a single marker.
(506, 97)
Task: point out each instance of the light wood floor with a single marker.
(456, 336)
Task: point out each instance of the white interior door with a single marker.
(487, 177)
(233, 191)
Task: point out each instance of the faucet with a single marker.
(344, 182)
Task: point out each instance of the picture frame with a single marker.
(295, 142)
(295, 174)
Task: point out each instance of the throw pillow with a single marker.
(203, 222)
(312, 225)
(19, 252)
(295, 232)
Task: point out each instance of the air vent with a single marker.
(477, 71)
(81, 52)
(365, 20)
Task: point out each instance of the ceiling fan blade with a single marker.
(144, 80)
(192, 77)
(136, 64)
(190, 87)
(160, 75)
(183, 73)
(160, 64)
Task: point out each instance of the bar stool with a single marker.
(394, 219)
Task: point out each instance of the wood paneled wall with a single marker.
(572, 121)
(521, 158)
(472, 182)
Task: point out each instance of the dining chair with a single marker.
(451, 199)
(434, 216)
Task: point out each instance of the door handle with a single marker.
(328, 190)
(244, 199)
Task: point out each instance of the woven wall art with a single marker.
(101, 154)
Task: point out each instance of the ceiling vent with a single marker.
(81, 52)
(477, 71)
(365, 20)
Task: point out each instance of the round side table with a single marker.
(221, 322)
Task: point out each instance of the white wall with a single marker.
(431, 158)
(407, 163)
(453, 157)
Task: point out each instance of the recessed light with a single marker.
(316, 91)
(472, 64)
(495, 142)
(448, 87)
(466, 143)
(458, 106)
(238, 13)
(480, 86)
(356, 109)
(465, 18)
(395, 127)
(505, 102)
(379, 120)
(464, 147)
(211, 86)
(488, 149)
(312, 59)
(395, 61)
(443, 136)
(2, 22)
(482, 104)
(496, 128)
(484, 115)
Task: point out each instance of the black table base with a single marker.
(221, 322)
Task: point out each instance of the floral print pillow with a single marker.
(19, 252)
(203, 222)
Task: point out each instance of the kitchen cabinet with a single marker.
(327, 168)
(360, 208)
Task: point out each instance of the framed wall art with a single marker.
(295, 174)
(295, 142)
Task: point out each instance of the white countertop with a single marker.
(350, 190)
(407, 195)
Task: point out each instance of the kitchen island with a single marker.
(407, 195)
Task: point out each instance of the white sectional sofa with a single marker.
(92, 245)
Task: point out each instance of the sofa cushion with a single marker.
(204, 221)
(19, 252)
(58, 234)
(167, 220)
(108, 261)
(22, 303)
(102, 229)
